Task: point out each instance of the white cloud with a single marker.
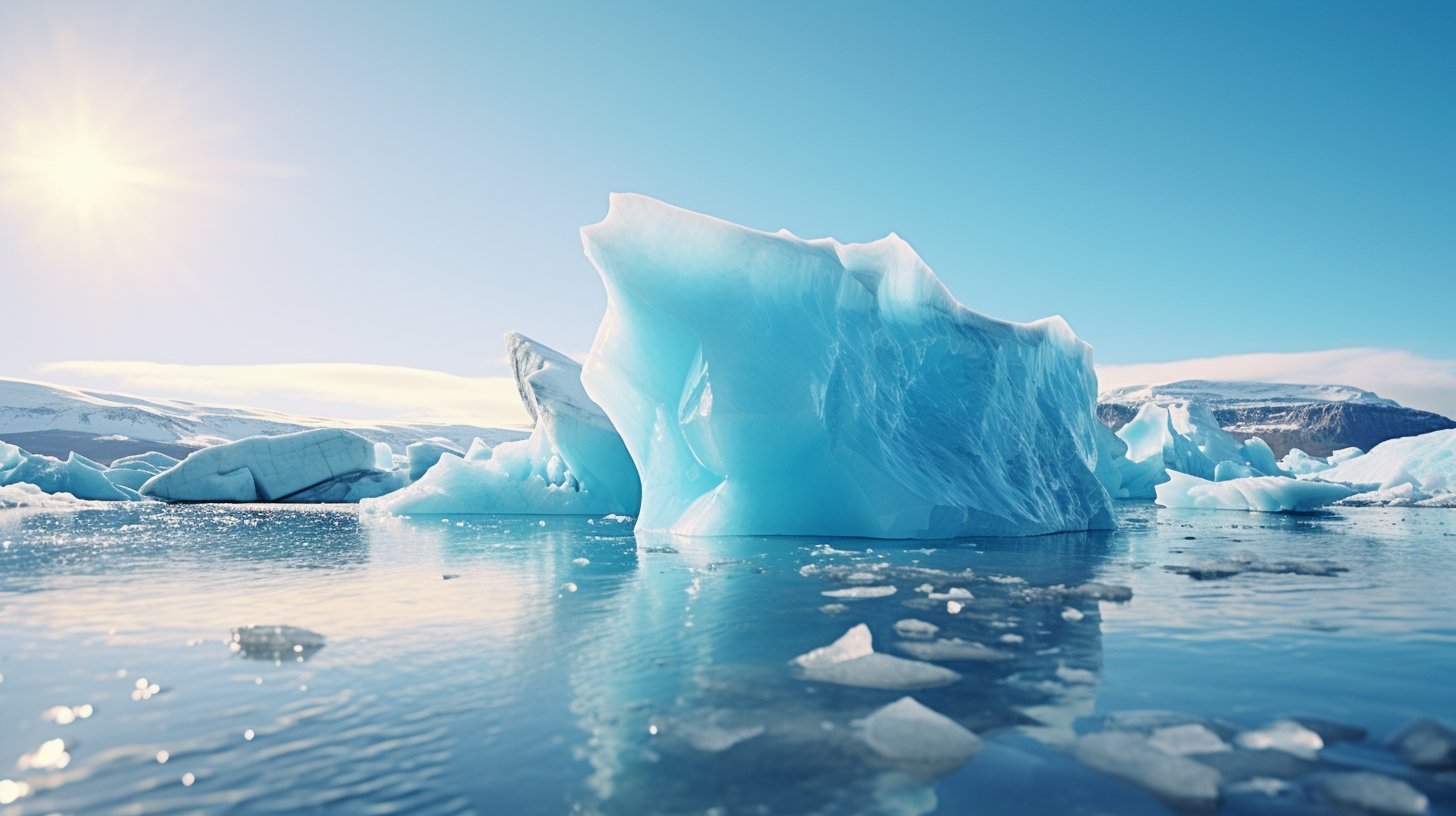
(1410, 379)
(339, 390)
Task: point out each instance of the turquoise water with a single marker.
(475, 665)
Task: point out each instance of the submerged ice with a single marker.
(766, 384)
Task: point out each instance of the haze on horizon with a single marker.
(1266, 190)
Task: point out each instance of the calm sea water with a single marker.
(549, 665)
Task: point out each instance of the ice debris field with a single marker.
(752, 383)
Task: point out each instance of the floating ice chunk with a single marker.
(1012, 637)
(771, 385)
(28, 495)
(264, 468)
(77, 476)
(860, 592)
(1283, 735)
(907, 733)
(952, 649)
(581, 562)
(425, 453)
(573, 463)
(1371, 792)
(1078, 677)
(1269, 494)
(954, 607)
(952, 594)
(1191, 738)
(1072, 614)
(1428, 745)
(1299, 463)
(852, 661)
(912, 628)
(1427, 461)
(1130, 757)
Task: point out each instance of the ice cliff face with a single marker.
(573, 463)
(1317, 419)
(766, 384)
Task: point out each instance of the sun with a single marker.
(80, 176)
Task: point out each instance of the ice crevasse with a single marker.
(765, 384)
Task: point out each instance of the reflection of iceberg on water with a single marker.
(275, 643)
(703, 684)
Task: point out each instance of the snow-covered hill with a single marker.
(55, 420)
(1317, 419)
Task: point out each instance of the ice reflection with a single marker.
(711, 708)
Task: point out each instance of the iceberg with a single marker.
(573, 462)
(24, 494)
(768, 385)
(1269, 494)
(906, 732)
(1184, 437)
(1427, 462)
(424, 454)
(264, 468)
(77, 476)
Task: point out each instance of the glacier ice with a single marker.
(573, 463)
(77, 476)
(1269, 494)
(852, 661)
(24, 494)
(264, 468)
(1427, 461)
(771, 385)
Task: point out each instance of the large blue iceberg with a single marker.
(766, 384)
(573, 463)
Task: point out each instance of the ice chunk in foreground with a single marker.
(573, 463)
(1128, 756)
(78, 476)
(771, 385)
(264, 468)
(908, 733)
(1269, 494)
(1371, 793)
(1283, 735)
(852, 661)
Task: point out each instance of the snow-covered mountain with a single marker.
(55, 420)
(1317, 419)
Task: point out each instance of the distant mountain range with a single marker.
(1317, 419)
(55, 420)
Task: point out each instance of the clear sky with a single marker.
(398, 184)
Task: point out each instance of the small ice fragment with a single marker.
(1283, 735)
(1183, 740)
(1267, 785)
(860, 592)
(1076, 676)
(1072, 614)
(569, 586)
(912, 628)
(834, 609)
(852, 661)
(1012, 637)
(1128, 756)
(906, 732)
(581, 562)
(954, 607)
(1371, 792)
(952, 594)
(952, 649)
(925, 588)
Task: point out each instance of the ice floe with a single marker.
(852, 661)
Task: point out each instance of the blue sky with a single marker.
(399, 185)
